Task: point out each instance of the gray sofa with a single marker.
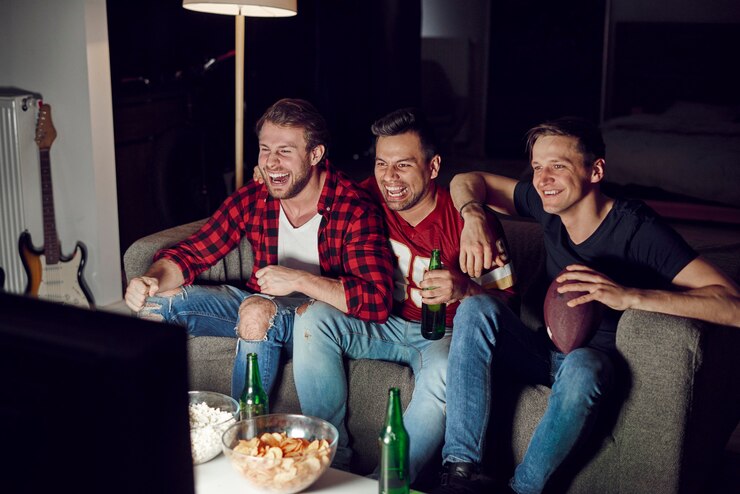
(678, 399)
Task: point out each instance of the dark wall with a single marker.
(354, 59)
(545, 62)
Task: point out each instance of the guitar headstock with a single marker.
(45, 131)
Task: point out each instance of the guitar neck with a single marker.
(51, 240)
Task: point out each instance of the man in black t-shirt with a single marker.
(620, 252)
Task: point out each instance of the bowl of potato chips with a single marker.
(281, 453)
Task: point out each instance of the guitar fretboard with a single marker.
(51, 240)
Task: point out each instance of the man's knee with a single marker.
(477, 319)
(153, 309)
(586, 373)
(303, 307)
(256, 317)
(588, 361)
(317, 323)
(313, 315)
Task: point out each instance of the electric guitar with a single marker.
(52, 276)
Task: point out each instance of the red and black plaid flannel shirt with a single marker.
(353, 245)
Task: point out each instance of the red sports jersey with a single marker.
(413, 246)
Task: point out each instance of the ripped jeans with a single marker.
(214, 311)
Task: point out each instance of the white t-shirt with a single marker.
(298, 248)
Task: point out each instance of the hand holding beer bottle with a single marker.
(433, 316)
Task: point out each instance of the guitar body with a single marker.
(60, 282)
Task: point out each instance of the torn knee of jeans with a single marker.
(256, 317)
(150, 312)
(303, 307)
(253, 333)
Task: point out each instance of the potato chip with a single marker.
(270, 439)
(274, 452)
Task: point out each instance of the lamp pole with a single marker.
(239, 102)
(240, 8)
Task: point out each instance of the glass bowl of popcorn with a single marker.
(211, 414)
(281, 453)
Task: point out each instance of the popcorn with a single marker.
(207, 424)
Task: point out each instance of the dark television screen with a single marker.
(91, 401)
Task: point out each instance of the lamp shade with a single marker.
(253, 8)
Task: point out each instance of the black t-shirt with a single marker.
(632, 246)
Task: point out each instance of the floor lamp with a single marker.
(241, 8)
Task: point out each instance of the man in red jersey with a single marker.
(420, 217)
(313, 232)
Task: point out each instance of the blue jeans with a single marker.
(324, 336)
(214, 311)
(493, 334)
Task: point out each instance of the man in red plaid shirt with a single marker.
(314, 234)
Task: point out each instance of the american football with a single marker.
(569, 327)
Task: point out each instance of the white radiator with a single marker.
(20, 183)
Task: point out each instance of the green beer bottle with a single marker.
(253, 401)
(394, 449)
(433, 316)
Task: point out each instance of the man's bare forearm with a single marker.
(470, 189)
(701, 292)
(714, 303)
(167, 273)
(327, 290)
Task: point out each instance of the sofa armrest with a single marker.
(235, 267)
(682, 402)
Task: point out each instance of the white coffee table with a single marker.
(218, 477)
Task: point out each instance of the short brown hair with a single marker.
(590, 142)
(407, 120)
(290, 112)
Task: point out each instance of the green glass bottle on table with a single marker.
(253, 400)
(433, 315)
(394, 449)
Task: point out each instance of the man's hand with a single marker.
(257, 175)
(599, 287)
(476, 249)
(444, 286)
(279, 280)
(138, 290)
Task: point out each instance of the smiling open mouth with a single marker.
(396, 192)
(278, 178)
(550, 193)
